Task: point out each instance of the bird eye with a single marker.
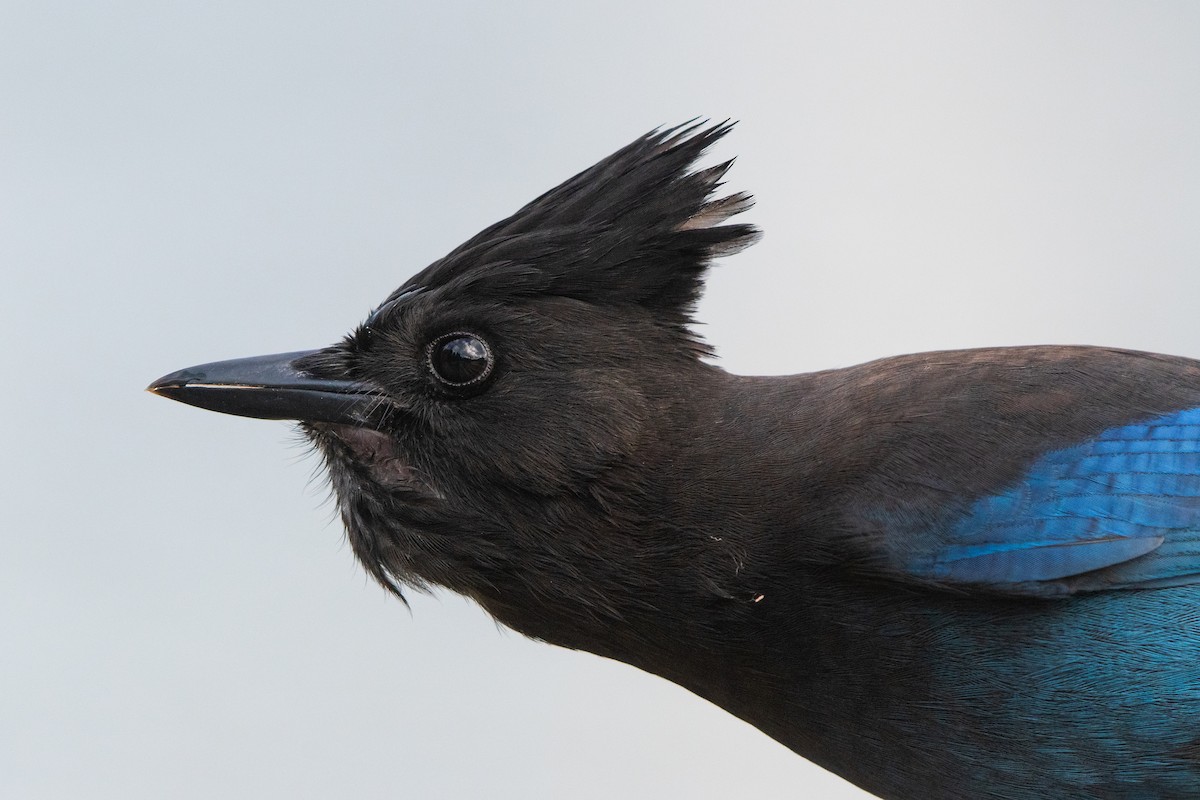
(460, 359)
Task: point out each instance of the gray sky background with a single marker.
(184, 182)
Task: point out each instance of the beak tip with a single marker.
(163, 385)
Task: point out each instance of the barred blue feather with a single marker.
(1119, 511)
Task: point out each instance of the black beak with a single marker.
(272, 387)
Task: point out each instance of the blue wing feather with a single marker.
(1039, 561)
(1119, 511)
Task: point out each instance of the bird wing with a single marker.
(1118, 511)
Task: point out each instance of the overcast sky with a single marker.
(183, 182)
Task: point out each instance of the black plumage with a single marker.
(947, 575)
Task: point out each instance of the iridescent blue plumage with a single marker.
(1120, 510)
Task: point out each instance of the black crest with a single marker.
(637, 228)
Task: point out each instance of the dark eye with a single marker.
(460, 359)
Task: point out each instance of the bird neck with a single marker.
(716, 533)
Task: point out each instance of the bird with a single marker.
(946, 575)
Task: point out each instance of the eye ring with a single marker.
(460, 360)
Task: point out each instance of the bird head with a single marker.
(500, 424)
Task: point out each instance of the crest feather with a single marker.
(638, 227)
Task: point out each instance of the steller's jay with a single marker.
(968, 574)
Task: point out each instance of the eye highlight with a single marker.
(460, 359)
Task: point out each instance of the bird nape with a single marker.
(967, 574)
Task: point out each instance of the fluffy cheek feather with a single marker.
(548, 449)
(371, 451)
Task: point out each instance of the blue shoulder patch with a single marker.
(1119, 511)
